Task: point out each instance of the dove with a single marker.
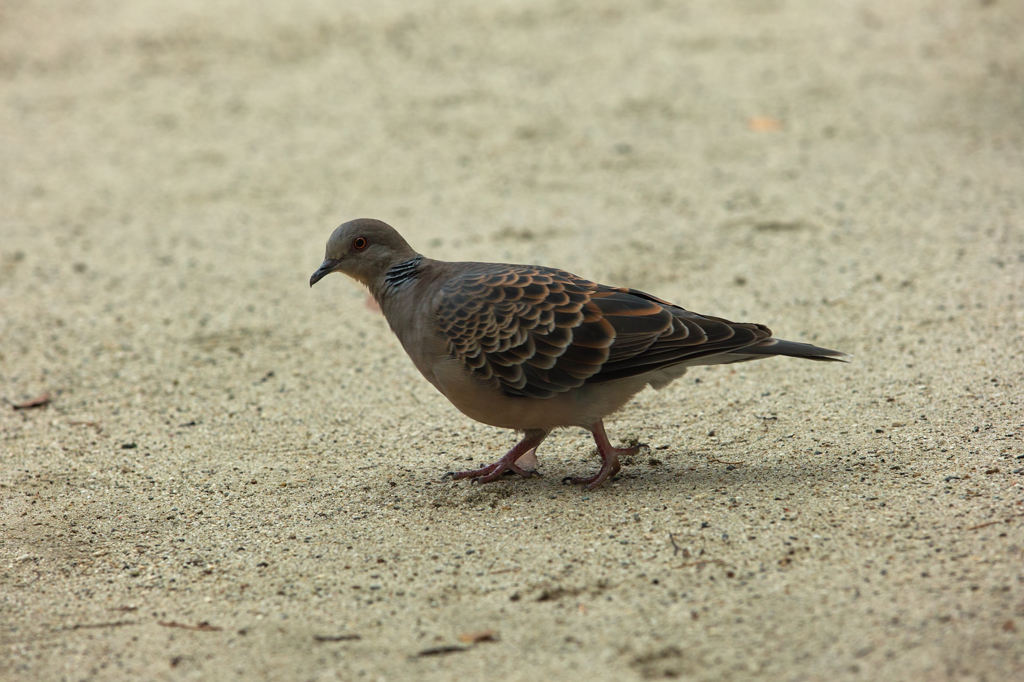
(535, 348)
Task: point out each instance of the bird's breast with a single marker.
(485, 402)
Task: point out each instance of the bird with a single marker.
(535, 348)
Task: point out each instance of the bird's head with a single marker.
(364, 249)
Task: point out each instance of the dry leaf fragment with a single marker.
(336, 638)
(440, 650)
(39, 401)
(764, 124)
(479, 636)
(201, 627)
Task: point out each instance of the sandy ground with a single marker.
(239, 477)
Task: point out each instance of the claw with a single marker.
(609, 460)
(506, 464)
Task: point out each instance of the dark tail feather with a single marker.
(791, 349)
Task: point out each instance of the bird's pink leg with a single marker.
(492, 472)
(609, 458)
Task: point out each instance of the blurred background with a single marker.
(719, 151)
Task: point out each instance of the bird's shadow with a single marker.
(663, 481)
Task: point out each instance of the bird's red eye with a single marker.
(359, 243)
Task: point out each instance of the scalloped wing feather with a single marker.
(541, 331)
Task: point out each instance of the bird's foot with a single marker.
(609, 467)
(491, 472)
(524, 450)
(609, 459)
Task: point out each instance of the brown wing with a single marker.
(541, 331)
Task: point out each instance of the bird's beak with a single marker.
(326, 268)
